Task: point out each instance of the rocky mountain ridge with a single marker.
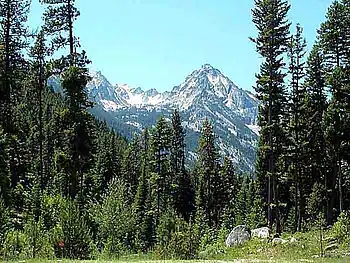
(205, 93)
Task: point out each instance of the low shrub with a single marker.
(341, 229)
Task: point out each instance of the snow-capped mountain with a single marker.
(205, 93)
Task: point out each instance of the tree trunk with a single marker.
(70, 26)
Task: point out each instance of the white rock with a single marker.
(263, 232)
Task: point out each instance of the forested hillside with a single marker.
(71, 187)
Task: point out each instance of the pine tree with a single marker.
(13, 16)
(160, 143)
(208, 187)
(270, 18)
(177, 150)
(131, 167)
(79, 137)
(229, 192)
(315, 106)
(333, 37)
(144, 221)
(59, 18)
(39, 53)
(182, 192)
(296, 127)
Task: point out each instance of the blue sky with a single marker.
(157, 43)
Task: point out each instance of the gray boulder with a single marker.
(239, 235)
(262, 232)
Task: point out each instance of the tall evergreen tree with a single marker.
(333, 37)
(270, 18)
(13, 17)
(208, 187)
(182, 190)
(315, 107)
(160, 144)
(38, 67)
(177, 150)
(296, 127)
(131, 167)
(229, 192)
(144, 221)
(59, 19)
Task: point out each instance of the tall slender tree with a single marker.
(270, 18)
(182, 191)
(315, 106)
(296, 127)
(13, 17)
(208, 168)
(59, 19)
(38, 66)
(333, 38)
(160, 144)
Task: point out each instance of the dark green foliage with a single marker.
(334, 43)
(59, 19)
(229, 193)
(270, 18)
(70, 187)
(142, 206)
(209, 182)
(131, 167)
(161, 178)
(13, 16)
(297, 126)
(303, 152)
(181, 185)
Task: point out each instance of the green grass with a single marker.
(305, 249)
(321, 260)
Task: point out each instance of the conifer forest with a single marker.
(71, 187)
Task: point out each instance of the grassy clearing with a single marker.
(305, 249)
(321, 260)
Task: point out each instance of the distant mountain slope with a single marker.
(205, 93)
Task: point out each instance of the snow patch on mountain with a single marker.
(254, 128)
(109, 105)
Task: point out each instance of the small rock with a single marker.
(239, 235)
(277, 241)
(263, 232)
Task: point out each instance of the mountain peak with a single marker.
(207, 66)
(205, 93)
